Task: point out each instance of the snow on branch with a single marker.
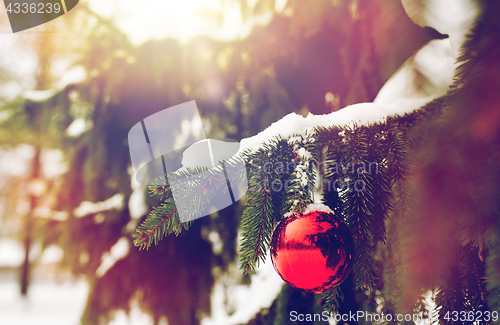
(353, 115)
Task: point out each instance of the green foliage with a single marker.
(367, 161)
(361, 167)
(365, 178)
(266, 77)
(280, 181)
(194, 189)
(332, 299)
(463, 289)
(258, 219)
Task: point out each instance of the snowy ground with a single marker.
(51, 300)
(48, 302)
(55, 301)
(245, 301)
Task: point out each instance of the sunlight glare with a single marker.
(183, 20)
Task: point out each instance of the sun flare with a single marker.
(183, 20)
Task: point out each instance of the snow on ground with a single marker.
(54, 302)
(52, 299)
(245, 300)
(48, 303)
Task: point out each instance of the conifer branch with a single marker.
(281, 183)
(474, 278)
(399, 166)
(463, 288)
(194, 197)
(254, 216)
(259, 216)
(331, 300)
(144, 240)
(359, 208)
(381, 187)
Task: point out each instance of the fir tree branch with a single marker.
(399, 166)
(359, 208)
(195, 189)
(473, 273)
(331, 300)
(381, 188)
(259, 216)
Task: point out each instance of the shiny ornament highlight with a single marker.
(312, 251)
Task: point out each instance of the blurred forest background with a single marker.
(67, 200)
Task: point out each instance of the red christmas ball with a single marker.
(312, 251)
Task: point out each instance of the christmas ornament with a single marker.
(312, 251)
